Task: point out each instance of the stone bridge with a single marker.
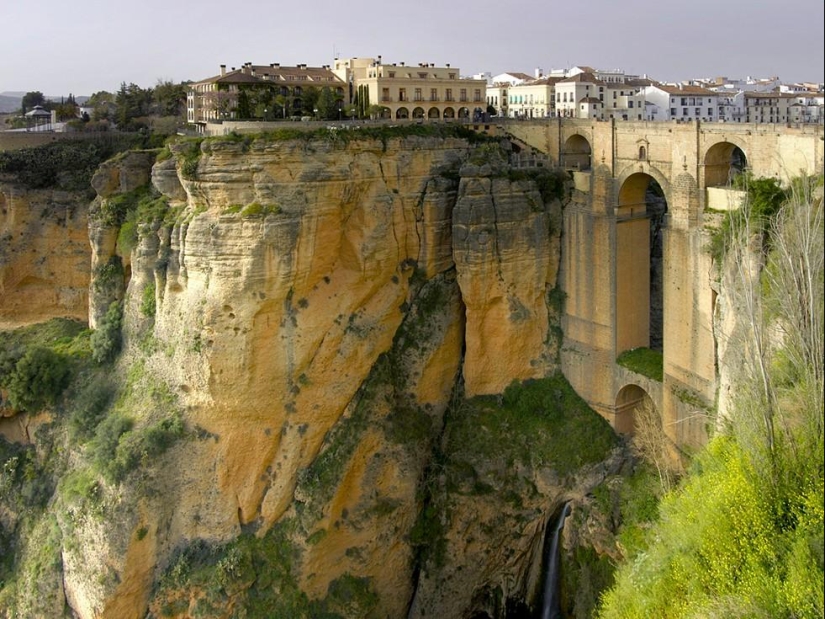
(635, 267)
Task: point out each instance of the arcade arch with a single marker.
(724, 161)
(629, 399)
(402, 113)
(640, 215)
(576, 153)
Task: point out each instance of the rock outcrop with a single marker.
(44, 254)
(315, 309)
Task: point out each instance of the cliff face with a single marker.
(44, 254)
(314, 311)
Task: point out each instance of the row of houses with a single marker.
(426, 91)
(584, 92)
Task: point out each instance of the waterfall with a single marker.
(551, 605)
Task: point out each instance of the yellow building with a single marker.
(402, 91)
(261, 92)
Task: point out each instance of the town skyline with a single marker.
(65, 51)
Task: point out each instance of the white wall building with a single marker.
(684, 103)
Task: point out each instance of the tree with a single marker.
(30, 99)
(168, 98)
(327, 105)
(132, 102)
(244, 109)
(281, 101)
(38, 378)
(102, 103)
(310, 98)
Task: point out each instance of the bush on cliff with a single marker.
(106, 340)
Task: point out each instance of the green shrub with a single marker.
(106, 340)
(147, 302)
(39, 377)
(256, 209)
(644, 361)
(89, 406)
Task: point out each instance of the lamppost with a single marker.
(315, 110)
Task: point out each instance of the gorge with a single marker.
(329, 377)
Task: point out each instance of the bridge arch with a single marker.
(629, 399)
(640, 215)
(723, 161)
(577, 152)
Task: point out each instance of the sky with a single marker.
(58, 47)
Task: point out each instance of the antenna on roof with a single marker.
(334, 53)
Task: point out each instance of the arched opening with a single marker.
(433, 113)
(449, 112)
(576, 153)
(385, 113)
(629, 399)
(402, 112)
(418, 112)
(723, 163)
(642, 153)
(463, 112)
(639, 300)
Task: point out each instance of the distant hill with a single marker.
(10, 100)
(9, 103)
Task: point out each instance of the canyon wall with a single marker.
(313, 314)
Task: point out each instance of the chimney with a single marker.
(223, 70)
(448, 65)
(402, 63)
(379, 58)
(252, 70)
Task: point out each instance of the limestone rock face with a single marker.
(44, 254)
(503, 251)
(309, 302)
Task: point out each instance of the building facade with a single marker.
(421, 91)
(263, 92)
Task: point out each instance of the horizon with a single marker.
(664, 42)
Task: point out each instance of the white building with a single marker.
(683, 103)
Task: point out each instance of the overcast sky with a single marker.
(58, 47)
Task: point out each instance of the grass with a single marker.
(258, 576)
(644, 361)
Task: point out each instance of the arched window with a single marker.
(642, 153)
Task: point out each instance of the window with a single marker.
(418, 96)
(385, 94)
(698, 111)
(684, 100)
(642, 152)
(452, 76)
(673, 111)
(449, 95)
(433, 94)
(462, 94)
(392, 73)
(684, 111)
(402, 94)
(630, 104)
(477, 94)
(422, 76)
